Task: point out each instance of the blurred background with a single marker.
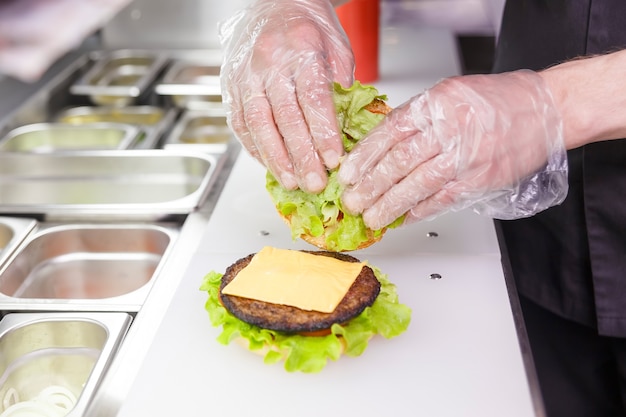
(192, 23)
(35, 33)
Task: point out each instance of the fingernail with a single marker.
(351, 202)
(288, 181)
(345, 173)
(314, 182)
(371, 220)
(331, 158)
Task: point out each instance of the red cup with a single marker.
(361, 21)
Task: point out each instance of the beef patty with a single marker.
(290, 319)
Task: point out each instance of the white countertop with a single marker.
(459, 357)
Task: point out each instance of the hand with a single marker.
(494, 142)
(280, 60)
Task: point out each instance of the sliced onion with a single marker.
(59, 396)
(33, 408)
(53, 401)
(10, 397)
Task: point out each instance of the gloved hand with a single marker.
(280, 60)
(494, 142)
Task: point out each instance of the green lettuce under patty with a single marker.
(322, 214)
(386, 317)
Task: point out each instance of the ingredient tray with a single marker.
(53, 362)
(96, 267)
(119, 77)
(12, 232)
(192, 85)
(50, 137)
(152, 120)
(202, 130)
(130, 184)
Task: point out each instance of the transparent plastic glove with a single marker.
(280, 60)
(493, 142)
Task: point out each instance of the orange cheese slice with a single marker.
(295, 278)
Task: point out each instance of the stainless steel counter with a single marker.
(463, 355)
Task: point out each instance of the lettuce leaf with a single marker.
(354, 120)
(310, 354)
(318, 214)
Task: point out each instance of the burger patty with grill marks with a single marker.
(288, 319)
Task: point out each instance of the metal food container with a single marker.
(136, 115)
(147, 185)
(152, 120)
(93, 267)
(52, 363)
(13, 231)
(119, 77)
(192, 85)
(51, 137)
(203, 130)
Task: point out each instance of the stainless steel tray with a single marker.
(152, 120)
(68, 353)
(135, 115)
(118, 77)
(133, 184)
(13, 231)
(89, 267)
(192, 85)
(51, 137)
(203, 130)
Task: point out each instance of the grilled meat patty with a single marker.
(290, 319)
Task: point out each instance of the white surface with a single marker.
(459, 357)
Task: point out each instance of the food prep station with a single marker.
(99, 170)
(121, 186)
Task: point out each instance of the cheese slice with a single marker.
(295, 278)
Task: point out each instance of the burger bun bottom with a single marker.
(320, 241)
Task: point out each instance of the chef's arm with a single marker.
(590, 94)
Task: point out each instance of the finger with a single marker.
(396, 127)
(343, 69)
(341, 63)
(315, 95)
(237, 124)
(433, 206)
(231, 97)
(307, 166)
(426, 180)
(401, 160)
(264, 133)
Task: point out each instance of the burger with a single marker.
(319, 219)
(303, 307)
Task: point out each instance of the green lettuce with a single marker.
(322, 214)
(386, 317)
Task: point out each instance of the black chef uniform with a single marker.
(570, 260)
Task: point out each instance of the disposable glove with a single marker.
(493, 142)
(280, 60)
